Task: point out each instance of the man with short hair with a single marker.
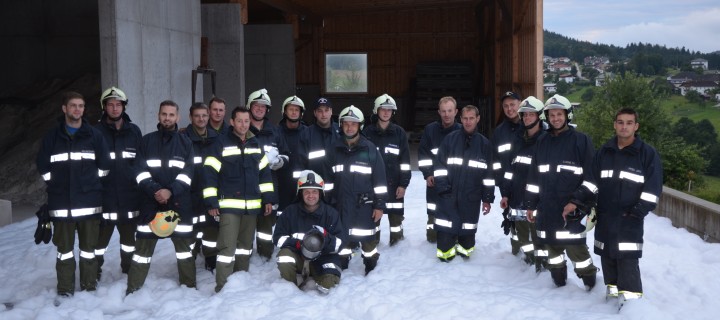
(202, 139)
(304, 221)
(217, 116)
(392, 142)
(515, 179)
(165, 170)
(560, 182)
(360, 187)
(316, 141)
(121, 196)
(291, 128)
(273, 143)
(433, 135)
(629, 175)
(73, 159)
(506, 139)
(238, 188)
(464, 180)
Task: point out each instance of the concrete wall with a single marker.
(47, 39)
(149, 48)
(694, 214)
(270, 64)
(222, 26)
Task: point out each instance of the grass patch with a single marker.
(677, 107)
(710, 190)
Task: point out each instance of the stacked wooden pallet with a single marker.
(435, 80)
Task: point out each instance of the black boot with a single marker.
(588, 281)
(559, 275)
(370, 264)
(210, 263)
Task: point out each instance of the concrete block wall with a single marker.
(692, 213)
(270, 64)
(5, 212)
(226, 41)
(149, 48)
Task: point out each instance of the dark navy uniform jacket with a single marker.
(285, 174)
(201, 149)
(515, 177)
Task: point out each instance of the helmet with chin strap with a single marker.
(113, 93)
(559, 102)
(384, 101)
(260, 96)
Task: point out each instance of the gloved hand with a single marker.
(321, 229)
(274, 159)
(43, 232)
(506, 224)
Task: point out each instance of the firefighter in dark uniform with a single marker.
(310, 215)
(273, 143)
(217, 121)
(506, 139)
(359, 187)
(515, 179)
(206, 227)
(165, 170)
(317, 141)
(239, 188)
(392, 142)
(433, 135)
(291, 127)
(463, 178)
(72, 159)
(559, 183)
(629, 176)
(121, 196)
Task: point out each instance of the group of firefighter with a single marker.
(224, 187)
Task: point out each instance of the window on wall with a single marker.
(346, 72)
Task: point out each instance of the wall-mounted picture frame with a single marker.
(346, 72)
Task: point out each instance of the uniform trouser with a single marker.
(144, 249)
(263, 238)
(127, 243)
(369, 250)
(431, 198)
(448, 241)
(235, 240)
(624, 273)
(396, 228)
(522, 238)
(209, 240)
(290, 263)
(578, 254)
(64, 240)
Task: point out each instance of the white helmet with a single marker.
(384, 101)
(351, 114)
(294, 100)
(559, 102)
(113, 93)
(531, 104)
(310, 180)
(260, 96)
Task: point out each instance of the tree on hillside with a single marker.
(563, 87)
(588, 95)
(693, 96)
(596, 119)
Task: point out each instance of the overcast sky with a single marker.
(694, 24)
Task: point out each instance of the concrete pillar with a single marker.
(270, 64)
(226, 42)
(5, 212)
(148, 48)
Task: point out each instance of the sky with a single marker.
(693, 24)
(679, 273)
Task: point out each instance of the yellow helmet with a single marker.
(113, 93)
(384, 101)
(164, 223)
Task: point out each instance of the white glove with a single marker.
(274, 159)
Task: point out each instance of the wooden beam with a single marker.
(303, 13)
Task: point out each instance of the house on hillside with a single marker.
(568, 78)
(701, 86)
(547, 59)
(564, 59)
(699, 63)
(559, 67)
(600, 80)
(550, 87)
